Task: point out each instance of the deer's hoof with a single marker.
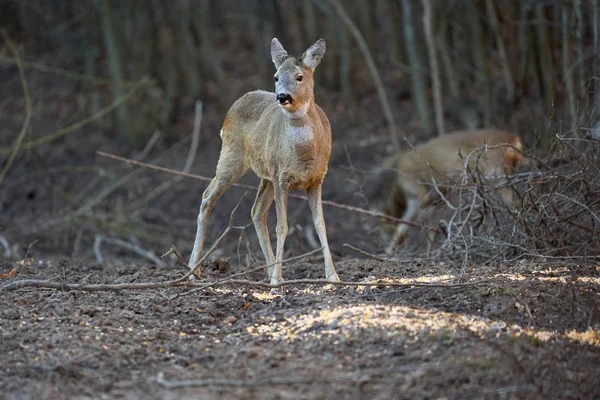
(278, 290)
(195, 277)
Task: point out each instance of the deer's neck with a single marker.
(300, 113)
(300, 129)
(299, 126)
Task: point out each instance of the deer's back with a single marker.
(445, 155)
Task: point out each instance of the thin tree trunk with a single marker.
(191, 52)
(345, 65)
(523, 34)
(477, 44)
(493, 20)
(115, 65)
(579, 63)
(596, 65)
(544, 49)
(433, 62)
(417, 81)
(208, 51)
(385, 105)
(566, 60)
(363, 13)
(442, 46)
(310, 21)
(386, 48)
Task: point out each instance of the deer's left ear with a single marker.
(312, 57)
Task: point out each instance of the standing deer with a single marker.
(442, 160)
(285, 138)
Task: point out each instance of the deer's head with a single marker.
(294, 84)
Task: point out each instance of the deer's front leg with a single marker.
(281, 204)
(314, 202)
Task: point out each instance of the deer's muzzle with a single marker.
(284, 98)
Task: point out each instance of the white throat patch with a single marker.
(301, 134)
(300, 113)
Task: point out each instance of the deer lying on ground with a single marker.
(285, 138)
(441, 161)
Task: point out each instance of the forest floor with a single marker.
(515, 331)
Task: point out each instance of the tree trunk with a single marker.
(417, 81)
(433, 62)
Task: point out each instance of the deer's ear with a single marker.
(312, 57)
(278, 53)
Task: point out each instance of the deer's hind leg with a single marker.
(260, 211)
(229, 170)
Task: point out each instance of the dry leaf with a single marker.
(12, 272)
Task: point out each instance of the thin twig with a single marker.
(261, 267)
(29, 249)
(71, 128)
(376, 257)
(4, 243)
(254, 188)
(62, 72)
(146, 150)
(217, 242)
(136, 249)
(28, 106)
(187, 166)
(97, 251)
(173, 249)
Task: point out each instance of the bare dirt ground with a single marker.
(527, 332)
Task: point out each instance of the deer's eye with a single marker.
(299, 78)
(276, 78)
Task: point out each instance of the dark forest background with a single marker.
(78, 76)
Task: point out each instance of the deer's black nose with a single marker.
(284, 98)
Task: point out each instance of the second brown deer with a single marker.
(285, 138)
(442, 161)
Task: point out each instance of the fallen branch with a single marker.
(182, 282)
(254, 188)
(324, 282)
(351, 376)
(126, 245)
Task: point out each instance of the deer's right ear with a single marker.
(278, 53)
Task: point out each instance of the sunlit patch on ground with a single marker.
(511, 277)
(351, 321)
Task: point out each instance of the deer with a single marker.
(285, 139)
(440, 161)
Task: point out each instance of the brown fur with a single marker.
(287, 145)
(440, 159)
